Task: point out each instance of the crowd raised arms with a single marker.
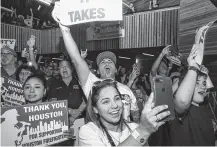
(68, 103)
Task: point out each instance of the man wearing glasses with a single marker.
(8, 62)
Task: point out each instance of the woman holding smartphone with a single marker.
(105, 124)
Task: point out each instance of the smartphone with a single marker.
(163, 95)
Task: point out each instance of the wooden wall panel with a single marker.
(146, 29)
(45, 40)
(193, 15)
(158, 28)
(20, 34)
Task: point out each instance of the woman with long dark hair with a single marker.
(105, 124)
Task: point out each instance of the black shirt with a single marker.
(194, 129)
(5, 74)
(58, 89)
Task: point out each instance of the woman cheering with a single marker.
(105, 125)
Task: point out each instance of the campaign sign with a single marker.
(104, 30)
(8, 42)
(82, 11)
(200, 41)
(35, 124)
(11, 92)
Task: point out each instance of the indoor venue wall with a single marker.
(146, 29)
(151, 28)
(47, 41)
(193, 15)
(21, 35)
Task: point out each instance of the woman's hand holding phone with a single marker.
(151, 116)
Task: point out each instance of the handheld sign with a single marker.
(82, 11)
(200, 41)
(8, 42)
(35, 124)
(11, 92)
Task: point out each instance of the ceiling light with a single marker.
(124, 57)
(57, 59)
(39, 7)
(148, 54)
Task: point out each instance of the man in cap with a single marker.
(106, 69)
(8, 62)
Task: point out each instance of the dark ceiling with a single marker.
(23, 7)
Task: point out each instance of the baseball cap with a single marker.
(10, 50)
(106, 54)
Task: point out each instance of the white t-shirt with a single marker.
(123, 89)
(91, 135)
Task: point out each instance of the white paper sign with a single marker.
(200, 41)
(8, 42)
(82, 11)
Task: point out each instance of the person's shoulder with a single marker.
(123, 88)
(122, 85)
(90, 126)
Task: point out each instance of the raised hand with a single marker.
(31, 41)
(204, 70)
(166, 50)
(84, 54)
(151, 116)
(56, 16)
(133, 75)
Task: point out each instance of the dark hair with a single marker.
(42, 78)
(94, 97)
(92, 101)
(26, 67)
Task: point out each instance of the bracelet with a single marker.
(138, 137)
(194, 69)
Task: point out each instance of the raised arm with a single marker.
(81, 66)
(31, 44)
(72, 49)
(158, 60)
(185, 91)
(31, 14)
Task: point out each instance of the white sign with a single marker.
(8, 42)
(104, 30)
(82, 11)
(200, 41)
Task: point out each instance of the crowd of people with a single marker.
(118, 103)
(26, 21)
